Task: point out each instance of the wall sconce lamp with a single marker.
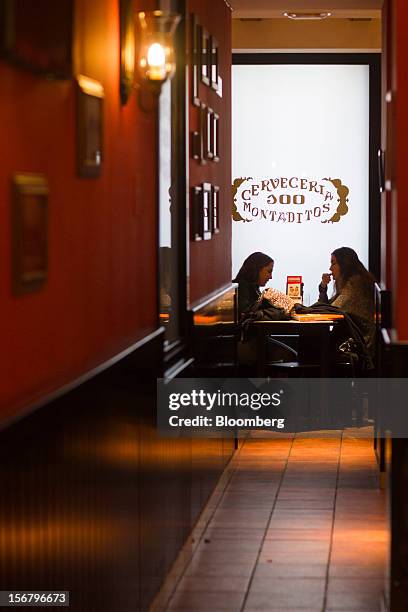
(156, 61)
(152, 53)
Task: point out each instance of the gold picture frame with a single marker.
(29, 232)
(90, 96)
(214, 137)
(206, 204)
(214, 68)
(215, 209)
(206, 52)
(196, 32)
(38, 39)
(203, 134)
(208, 134)
(197, 218)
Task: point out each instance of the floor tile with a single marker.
(283, 518)
(355, 585)
(235, 533)
(209, 584)
(200, 567)
(298, 534)
(234, 546)
(290, 570)
(296, 557)
(356, 599)
(360, 570)
(285, 594)
(226, 556)
(296, 546)
(191, 600)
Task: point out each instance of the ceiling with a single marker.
(276, 8)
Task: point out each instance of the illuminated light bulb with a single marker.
(156, 56)
(156, 60)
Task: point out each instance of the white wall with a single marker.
(297, 122)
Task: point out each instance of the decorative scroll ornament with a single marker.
(342, 192)
(235, 186)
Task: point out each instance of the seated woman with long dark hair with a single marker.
(353, 291)
(269, 304)
(254, 273)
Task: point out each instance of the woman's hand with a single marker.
(326, 278)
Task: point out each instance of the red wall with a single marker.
(101, 292)
(210, 260)
(396, 247)
(386, 198)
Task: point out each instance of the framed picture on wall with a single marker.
(196, 59)
(214, 64)
(90, 95)
(208, 141)
(215, 210)
(202, 141)
(219, 86)
(205, 143)
(196, 216)
(201, 205)
(37, 36)
(204, 134)
(207, 210)
(381, 169)
(29, 232)
(205, 57)
(215, 137)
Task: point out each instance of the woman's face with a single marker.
(265, 274)
(335, 268)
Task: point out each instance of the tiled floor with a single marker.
(300, 526)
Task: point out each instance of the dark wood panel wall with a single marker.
(92, 501)
(72, 509)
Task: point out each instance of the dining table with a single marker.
(313, 332)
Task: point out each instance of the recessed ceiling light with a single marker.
(307, 16)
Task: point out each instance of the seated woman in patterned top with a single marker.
(353, 291)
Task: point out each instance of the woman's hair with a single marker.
(250, 268)
(350, 265)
